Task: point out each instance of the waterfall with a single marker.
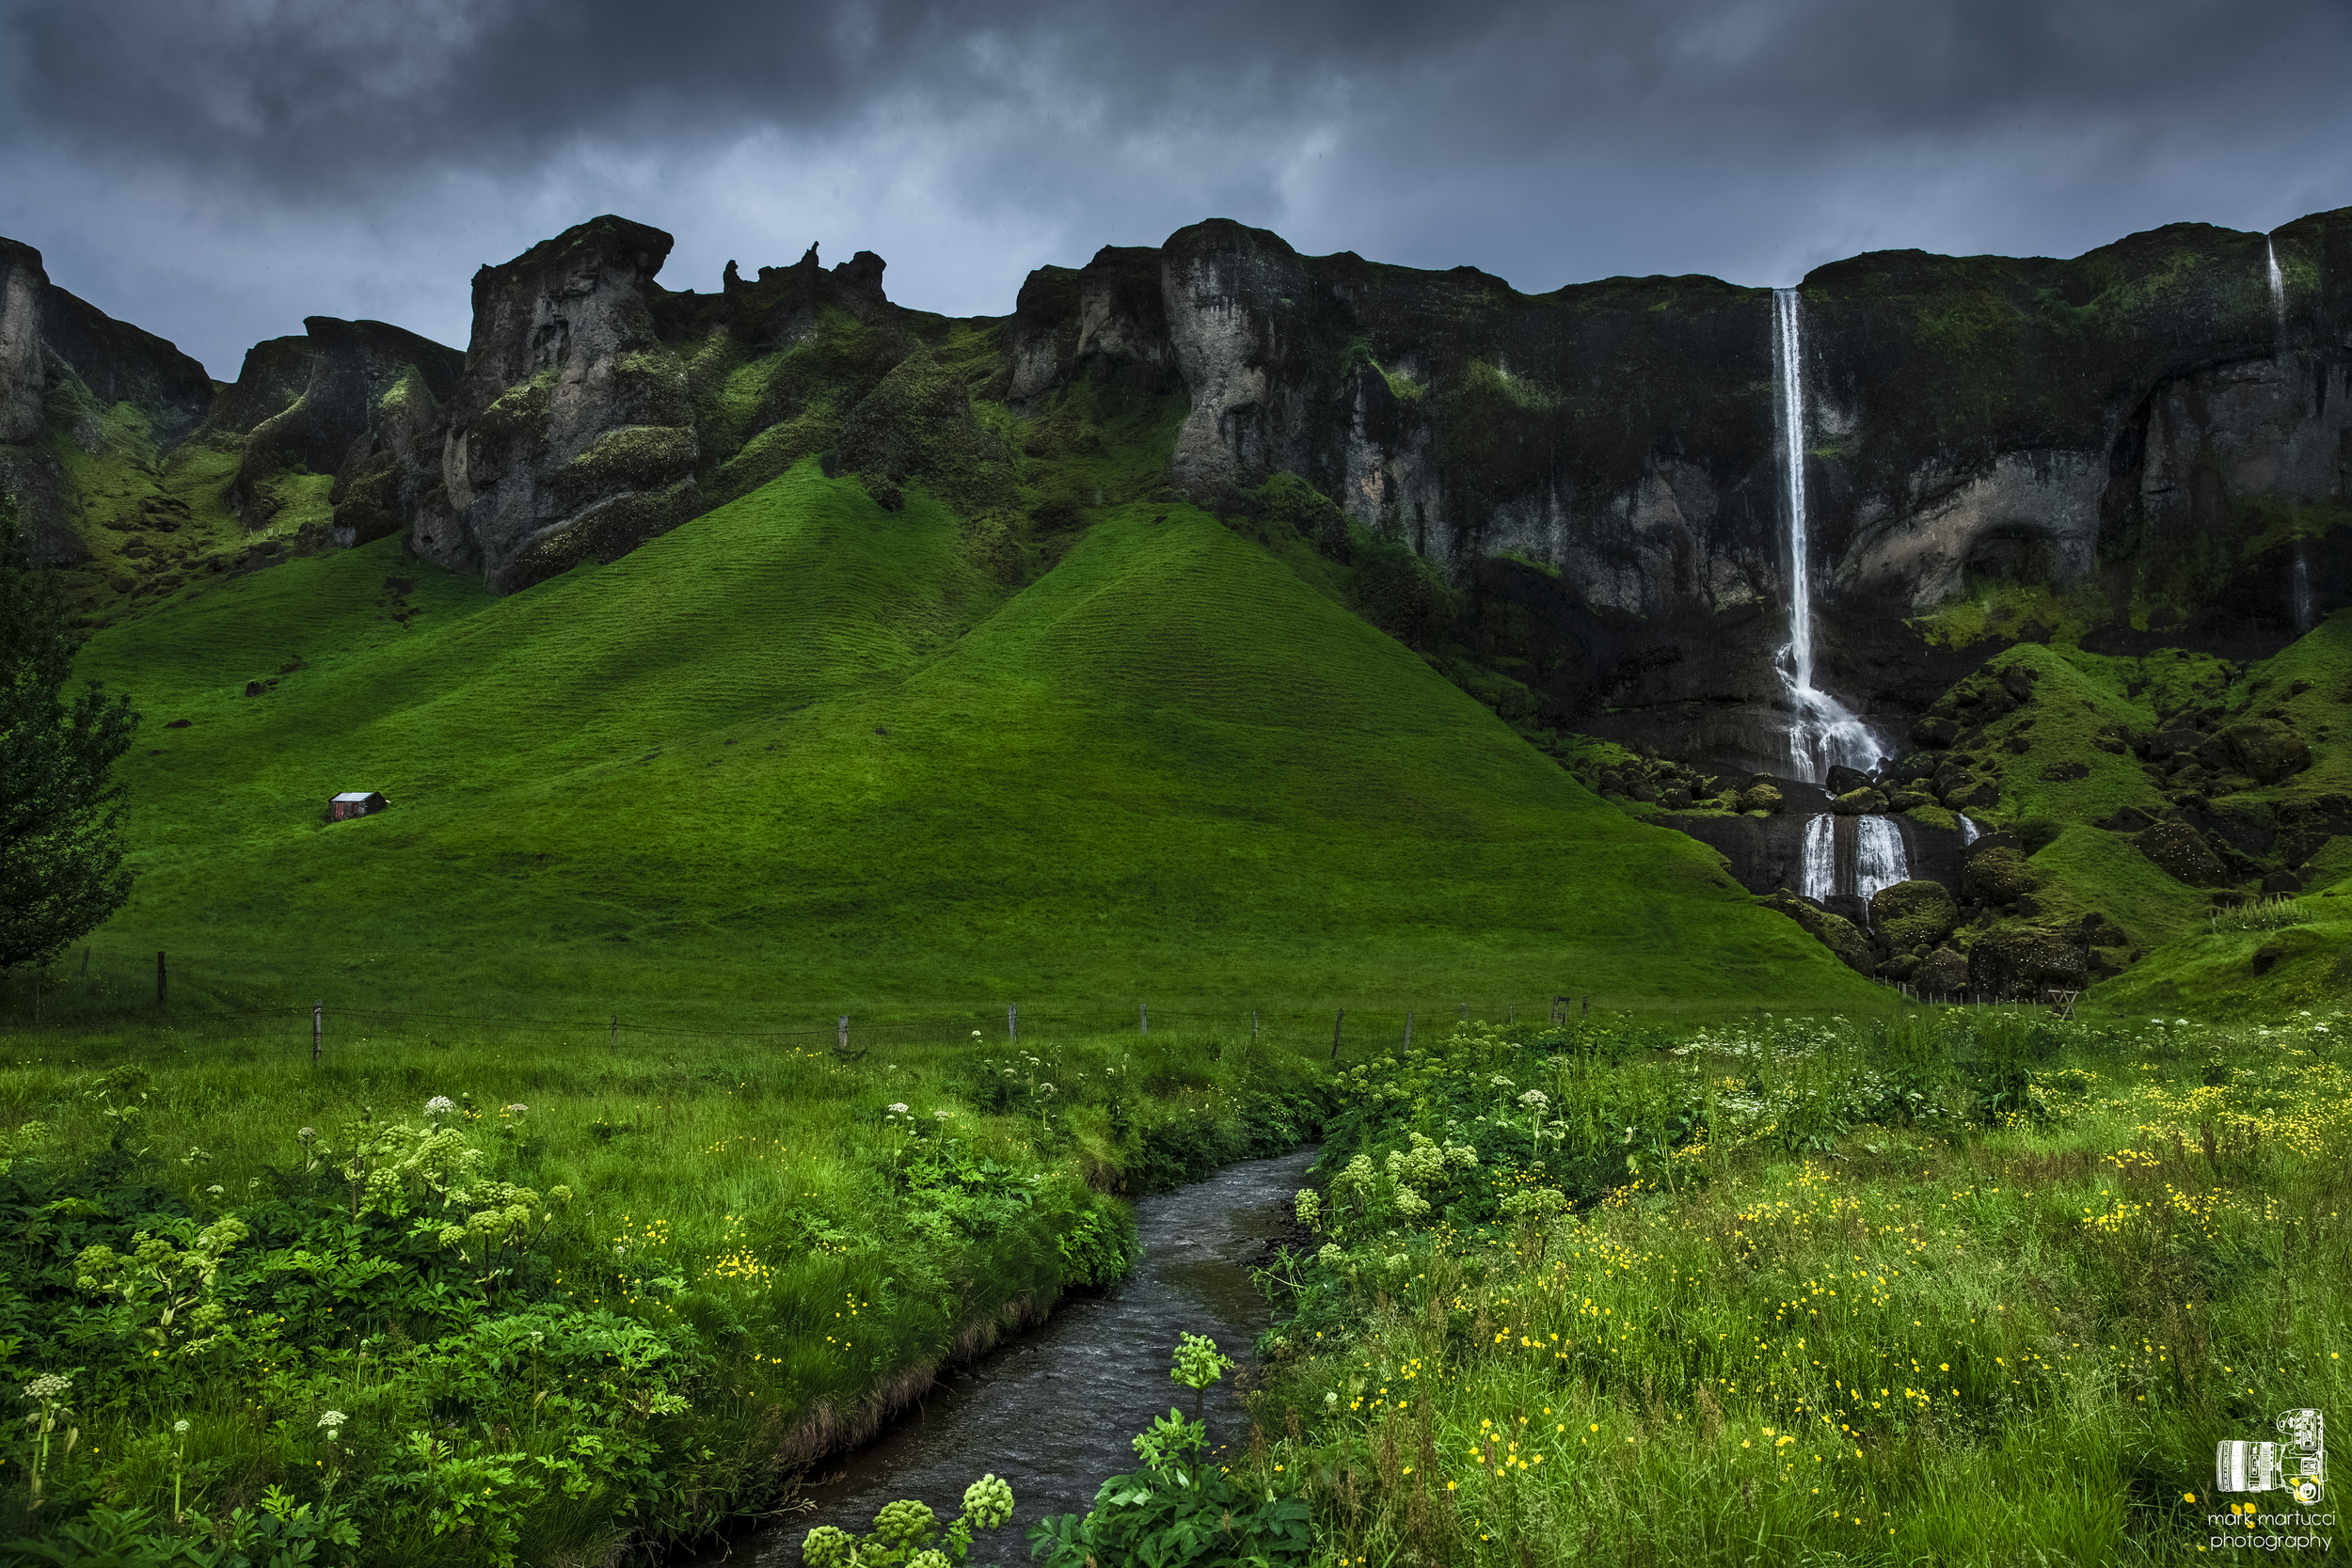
(1967, 830)
(1822, 731)
(2278, 287)
(2301, 575)
(1819, 877)
(1878, 856)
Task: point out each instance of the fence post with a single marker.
(1510, 1012)
(159, 979)
(1588, 1006)
(1253, 1025)
(1335, 1033)
(612, 1040)
(1464, 1012)
(1409, 1028)
(318, 1029)
(1012, 1020)
(844, 1035)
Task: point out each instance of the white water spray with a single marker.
(1819, 876)
(1879, 860)
(1822, 731)
(2277, 285)
(1967, 832)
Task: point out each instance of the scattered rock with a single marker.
(1942, 973)
(1844, 781)
(2027, 960)
(2062, 772)
(1834, 932)
(2181, 852)
(1865, 801)
(1999, 875)
(180, 724)
(2282, 882)
(1914, 914)
(2266, 749)
(1762, 797)
(2128, 820)
(1934, 732)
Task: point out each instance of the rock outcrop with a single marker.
(64, 366)
(358, 400)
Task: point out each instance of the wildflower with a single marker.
(332, 1420)
(439, 1105)
(939, 1115)
(515, 1110)
(308, 1134)
(180, 1427)
(898, 1110)
(49, 1385)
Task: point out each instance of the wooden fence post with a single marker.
(318, 1029)
(612, 1040)
(1510, 1012)
(1588, 1006)
(1335, 1033)
(844, 1035)
(1464, 1012)
(1012, 1020)
(1409, 1028)
(159, 979)
(1143, 1017)
(1253, 1025)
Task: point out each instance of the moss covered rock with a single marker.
(1999, 875)
(1833, 932)
(2181, 852)
(1914, 913)
(2027, 961)
(2266, 749)
(1763, 796)
(1859, 802)
(1942, 973)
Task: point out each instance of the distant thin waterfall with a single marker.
(1967, 832)
(1821, 730)
(1878, 856)
(2277, 285)
(1819, 877)
(2301, 574)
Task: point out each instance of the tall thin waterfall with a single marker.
(2277, 285)
(2300, 574)
(1821, 730)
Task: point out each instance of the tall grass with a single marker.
(1936, 1335)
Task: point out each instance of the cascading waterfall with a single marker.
(1822, 730)
(1878, 855)
(1819, 876)
(2277, 285)
(1967, 832)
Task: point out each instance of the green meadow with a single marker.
(799, 758)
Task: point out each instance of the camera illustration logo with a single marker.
(2297, 1466)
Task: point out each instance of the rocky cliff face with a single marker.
(64, 365)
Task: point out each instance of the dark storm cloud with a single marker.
(215, 169)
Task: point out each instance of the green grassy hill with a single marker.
(798, 757)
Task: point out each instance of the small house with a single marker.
(355, 804)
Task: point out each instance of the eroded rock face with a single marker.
(1833, 932)
(358, 399)
(570, 437)
(2027, 961)
(2181, 852)
(63, 360)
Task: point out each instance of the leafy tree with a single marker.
(61, 868)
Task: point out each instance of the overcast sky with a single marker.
(216, 170)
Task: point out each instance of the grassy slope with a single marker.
(2189, 964)
(751, 770)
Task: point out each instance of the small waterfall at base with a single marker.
(1967, 832)
(1822, 730)
(1879, 860)
(2277, 285)
(1819, 878)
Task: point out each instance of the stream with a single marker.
(1052, 1411)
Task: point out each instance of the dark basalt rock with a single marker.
(1914, 914)
(1833, 932)
(2027, 961)
(2181, 853)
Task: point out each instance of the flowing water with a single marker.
(2301, 575)
(1822, 731)
(1878, 855)
(1053, 1412)
(2277, 285)
(1819, 878)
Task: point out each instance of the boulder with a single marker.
(1934, 732)
(1914, 914)
(1999, 875)
(2128, 820)
(1865, 801)
(1834, 932)
(1843, 780)
(2266, 750)
(1972, 793)
(1942, 973)
(2065, 772)
(1761, 797)
(2285, 883)
(2181, 852)
(1908, 800)
(2027, 961)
